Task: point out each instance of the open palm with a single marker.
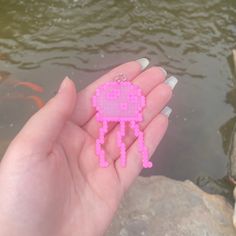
(50, 179)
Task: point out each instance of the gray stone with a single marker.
(234, 216)
(232, 155)
(234, 59)
(232, 163)
(165, 207)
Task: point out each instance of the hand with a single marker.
(50, 179)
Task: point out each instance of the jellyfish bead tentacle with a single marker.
(142, 148)
(99, 151)
(121, 144)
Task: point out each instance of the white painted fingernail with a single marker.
(171, 81)
(164, 71)
(144, 62)
(64, 84)
(166, 111)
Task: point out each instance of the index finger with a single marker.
(84, 109)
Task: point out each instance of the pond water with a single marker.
(42, 41)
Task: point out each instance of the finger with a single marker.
(153, 134)
(84, 109)
(156, 100)
(44, 127)
(147, 81)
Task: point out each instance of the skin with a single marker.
(50, 179)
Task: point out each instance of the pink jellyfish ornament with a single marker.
(120, 101)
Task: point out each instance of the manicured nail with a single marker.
(163, 70)
(166, 111)
(64, 84)
(144, 62)
(171, 81)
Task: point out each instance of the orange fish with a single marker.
(37, 100)
(31, 85)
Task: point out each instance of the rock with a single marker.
(222, 186)
(232, 155)
(164, 207)
(234, 59)
(234, 216)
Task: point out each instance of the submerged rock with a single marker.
(164, 207)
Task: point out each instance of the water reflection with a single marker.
(42, 41)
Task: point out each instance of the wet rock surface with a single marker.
(232, 155)
(161, 206)
(232, 169)
(234, 59)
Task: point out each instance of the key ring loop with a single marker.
(120, 78)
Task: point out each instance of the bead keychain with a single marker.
(120, 101)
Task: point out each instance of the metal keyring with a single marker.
(120, 78)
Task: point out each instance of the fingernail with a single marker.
(64, 84)
(171, 81)
(163, 70)
(144, 62)
(166, 111)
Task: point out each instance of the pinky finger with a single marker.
(153, 135)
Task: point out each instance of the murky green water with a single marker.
(42, 41)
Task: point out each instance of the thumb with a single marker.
(43, 128)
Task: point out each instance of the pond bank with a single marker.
(161, 206)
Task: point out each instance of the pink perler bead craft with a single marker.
(120, 101)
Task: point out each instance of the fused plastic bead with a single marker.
(120, 101)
